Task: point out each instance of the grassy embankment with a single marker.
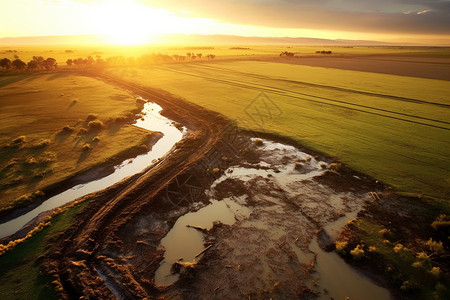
(391, 127)
(57, 125)
(21, 277)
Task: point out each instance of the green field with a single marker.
(394, 128)
(222, 52)
(35, 149)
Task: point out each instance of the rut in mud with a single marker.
(279, 199)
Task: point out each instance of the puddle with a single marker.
(342, 281)
(151, 120)
(184, 243)
(270, 251)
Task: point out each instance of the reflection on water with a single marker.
(152, 120)
(342, 281)
(183, 242)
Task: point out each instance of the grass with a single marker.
(409, 270)
(222, 52)
(56, 125)
(20, 277)
(394, 128)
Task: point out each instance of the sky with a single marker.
(136, 21)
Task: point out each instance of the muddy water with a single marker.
(151, 120)
(184, 242)
(269, 246)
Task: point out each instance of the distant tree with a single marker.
(189, 54)
(199, 55)
(5, 63)
(49, 63)
(210, 56)
(193, 57)
(69, 62)
(19, 64)
(32, 64)
(39, 61)
(16, 56)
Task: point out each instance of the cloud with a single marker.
(381, 16)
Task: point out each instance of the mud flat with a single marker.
(258, 229)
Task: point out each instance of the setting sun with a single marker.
(128, 23)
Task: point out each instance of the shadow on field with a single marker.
(58, 75)
(13, 79)
(83, 156)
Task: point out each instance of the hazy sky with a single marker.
(348, 19)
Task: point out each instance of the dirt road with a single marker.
(74, 259)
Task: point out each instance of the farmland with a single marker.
(55, 126)
(394, 128)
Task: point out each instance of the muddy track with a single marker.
(96, 227)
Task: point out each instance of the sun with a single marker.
(126, 23)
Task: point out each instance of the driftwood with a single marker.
(204, 250)
(199, 228)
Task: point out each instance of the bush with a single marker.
(86, 147)
(340, 246)
(67, 129)
(357, 252)
(95, 125)
(42, 143)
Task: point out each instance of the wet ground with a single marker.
(253, 232)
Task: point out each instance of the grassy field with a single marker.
(53, 126)
(222, 52)
(394, 128)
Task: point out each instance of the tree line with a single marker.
(41, 63)
(37, 63)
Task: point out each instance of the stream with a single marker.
(151, 120)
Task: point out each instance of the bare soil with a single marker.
(423, 67)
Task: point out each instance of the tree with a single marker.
(19, 64)
(32, 64)
(199, 55)
(189, 54)
(69, 62)
(49, 63)
(39, 61)
(5, 63)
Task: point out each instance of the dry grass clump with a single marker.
(95, 125)
(42, 143)
(67, 130)
(258, 142)
(18, 142)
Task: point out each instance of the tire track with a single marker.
(385, 96)
(287, 93)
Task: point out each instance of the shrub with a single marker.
(258, 142)
(95, 125)
(42, 143)
(372, 249)
(67, 130)
(435, 271)
(398, 248)
(340, 246)
(435, 246)
(18, 142)
(86, 147)
(357, 252)
(441, 222)
(91, 117)
(82, 131)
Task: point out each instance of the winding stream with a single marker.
(151, 120)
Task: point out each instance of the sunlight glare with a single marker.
(127, 23)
